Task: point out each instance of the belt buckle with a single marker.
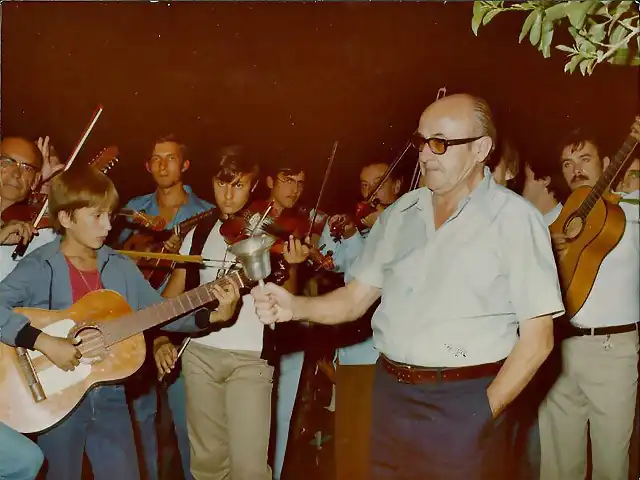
(403, 375)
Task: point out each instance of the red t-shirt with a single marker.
(81, 286)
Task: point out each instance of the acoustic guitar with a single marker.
(593, 224)
(37, 395)
(155, 270)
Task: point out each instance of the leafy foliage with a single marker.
(602, 31)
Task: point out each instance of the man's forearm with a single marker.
(330, 309)
(519, 368)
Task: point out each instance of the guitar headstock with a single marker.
(106, 159)
(157, 224)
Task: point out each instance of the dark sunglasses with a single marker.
(439, 145)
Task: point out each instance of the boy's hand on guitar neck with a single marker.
(61, 351)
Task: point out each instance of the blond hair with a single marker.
(82, 186)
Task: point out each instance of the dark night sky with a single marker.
(288, 79)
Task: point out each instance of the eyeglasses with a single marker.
(439, 145)
(25, 168)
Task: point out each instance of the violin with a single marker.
(297, 222)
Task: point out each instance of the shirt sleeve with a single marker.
(368, 266)
(533, 277)
(16, 291)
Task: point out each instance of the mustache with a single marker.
(579, 177)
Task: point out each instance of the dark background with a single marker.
(287, 79)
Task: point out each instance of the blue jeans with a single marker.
(290, 369)
(436, 430)
(145, 408)
(101, 425)
(20, 458)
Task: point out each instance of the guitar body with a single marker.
(590, 239)
(64, 390)
(155, 270)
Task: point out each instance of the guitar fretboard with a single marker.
(608, 176)
(185, 226)
(129, 325)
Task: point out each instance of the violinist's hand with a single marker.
(61, 351)
(173, 244)
(14, 232)
(344, 222)
(295, 251)
(165, 354)
(228, 298)
(560, 244)
(50, 164)
(273, 303)
(370, 219)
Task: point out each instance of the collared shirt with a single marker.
(455, 296)
(614, 296)
(552, 215)
(345, 253)
(247, 332)
(149, 204)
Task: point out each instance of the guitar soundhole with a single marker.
(92, 345)
(573, 227)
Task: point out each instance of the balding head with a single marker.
(21, 167)
(464, 135)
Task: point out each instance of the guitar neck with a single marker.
(623, 155)
(130, 325)
(185, 226)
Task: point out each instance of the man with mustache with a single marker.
(598, 382)
(459, 267)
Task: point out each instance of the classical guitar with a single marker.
(36, 395)
(156, 270)
(593, 224)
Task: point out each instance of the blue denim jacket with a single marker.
(149, 204)
(31, 284)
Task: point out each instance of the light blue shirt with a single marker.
(454, 296)
(149, 204)
(345, 253)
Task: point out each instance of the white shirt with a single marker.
(552, 215)
(455, 296)
(7, 264)
(247, 332)
(614, 298)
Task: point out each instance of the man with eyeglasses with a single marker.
(20, 173)
(459, 266)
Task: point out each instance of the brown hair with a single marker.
(171, 138)
(82, 186)
(505, 150)
(236, 160)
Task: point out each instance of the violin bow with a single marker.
(324, 184)
(21, 248)
(415, 179)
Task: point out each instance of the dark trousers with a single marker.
(435, 431)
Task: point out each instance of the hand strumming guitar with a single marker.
(173, 244)
(61, 351)
(560, 244)
(165, 355)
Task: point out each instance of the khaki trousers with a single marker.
(354, 392)
(598, 385)
(228, 413)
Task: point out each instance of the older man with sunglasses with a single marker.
(459, 265)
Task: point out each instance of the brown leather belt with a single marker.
(413, 374)
(606, 330)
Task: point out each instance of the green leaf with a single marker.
(596, 32)
(622, 7)
(585, 46)
(534, 35)
(558, 11)
(603, 10)
(586, 66)
(528, 23)
(577, 12)
(572, 64)
(489, 16)
(480, 9)
(618, 34)
(565, 48)
(545, 38)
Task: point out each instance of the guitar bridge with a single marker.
(30, 375)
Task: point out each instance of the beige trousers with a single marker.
(598, 385)
(228, 413)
